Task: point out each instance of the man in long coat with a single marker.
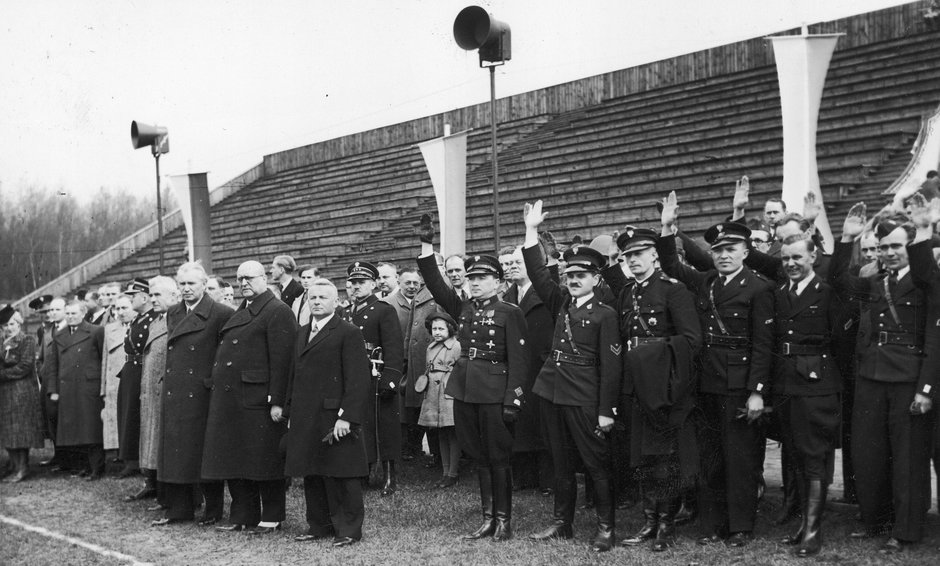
(379, 325)
(111, 365)
(73, 374)
(326, 401)
(413, 303)
(193, 337)
(249, 383)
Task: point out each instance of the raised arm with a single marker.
(444, 295)
(666, 248)
(840, 277)
(551, 293)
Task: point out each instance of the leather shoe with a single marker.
(157, 507)
(560, 530)
(343, 541)
(126, 473)
(711, 539)
(737, 540)
(207, 521)
(234, 528)
(869, 533)
(891, 546)
(142, 494)
(264, 530)
(164, 522)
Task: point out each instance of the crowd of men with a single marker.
(656, 368)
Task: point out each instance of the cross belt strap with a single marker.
(726, 340)
(574, 359)
(476, 354)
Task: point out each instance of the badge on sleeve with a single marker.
(616, 349)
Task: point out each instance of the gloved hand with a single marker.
(425, 229)
(510, 414)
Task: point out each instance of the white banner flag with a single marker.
(179, 184)
(446, 160)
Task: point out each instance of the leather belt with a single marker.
(637, 340)
(900, 338)
(370, 346)
(723, 340)
(475, 354)
(573, 359)
(135, 359)
(788, 349)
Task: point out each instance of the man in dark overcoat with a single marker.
(379, 325)
(327, 398)
(249, 383)
(193, 337)
(73, 374)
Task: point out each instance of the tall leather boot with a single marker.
(604, 510)
(797, 537)
(502, 499)
(390, 485)
(485, 477)
(566, 494)
(648, 532)
(666, 528)
(815, 504)
(688, 511)
(790, 507)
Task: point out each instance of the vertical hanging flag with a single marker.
(926, 156)
(802, 64)
(192, 194)
(446, 160)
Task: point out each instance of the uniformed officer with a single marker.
(892, 421)
(736, 310)
(807, 383)
(580, 381)
(486, 383)
(378, 322)
(662, 334)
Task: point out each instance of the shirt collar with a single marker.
(730, 278)
(580, 301)
(319, 324)
(802, 285)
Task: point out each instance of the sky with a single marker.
(234, 80)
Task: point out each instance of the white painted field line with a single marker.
(72, 540)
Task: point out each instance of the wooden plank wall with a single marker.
(860, 30)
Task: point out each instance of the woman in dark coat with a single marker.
(20, 411)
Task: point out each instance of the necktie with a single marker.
(313, 332)
(792, 293)
(71, 330)
(300, 308)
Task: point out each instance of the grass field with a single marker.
(419, 525)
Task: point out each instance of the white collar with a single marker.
(903, 271)
(579, 302)
(802, 285)
(319, 324)
(730, 278)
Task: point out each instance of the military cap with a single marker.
(583, 258)
(361, 270)
(635, 239)
(138, 285)
(885, 227)
(483, 265)
(40, 302)
(6, 313)
(727, 233)
(440, 315)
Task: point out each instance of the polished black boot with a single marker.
(604, 509)
(390, 485)
(688, 511)
(797, 537)
(648, 532)
(485, 476)
(666, 528)
(815, 503)
(566, 493)
(790, 507)
(502, 503)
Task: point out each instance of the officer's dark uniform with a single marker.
(380, 328)
(737, 323)
(486, 384)
(128, 397)
(806, 395)
(580, 381)
(662, 335)
(891, 446)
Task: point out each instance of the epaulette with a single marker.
(664, 277)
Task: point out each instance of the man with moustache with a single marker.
(327, 398)
(378, 322)
(580, 383)
(736, 310)
(486, 383)
(245, 423)
(73, 373)
(192, 340)
(531, 461)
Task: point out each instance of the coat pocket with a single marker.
(812, 368)
(739, 366)
(255, 389)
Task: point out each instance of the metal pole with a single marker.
(156, 158)
(495, 157)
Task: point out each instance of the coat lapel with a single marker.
(247, 312)
(809, 297)
(114, 336)
(321, 335)
(157, 330)
(195, 321)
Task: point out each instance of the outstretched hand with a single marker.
(425, 229)
(742, 191)
(549, 246)
(854, 223)
(811, 207)
(670, 210)
(533, 215)
(920, 211)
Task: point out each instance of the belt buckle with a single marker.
(472, 353)
(882, 337)
(786, 348)
(556, 355)
(634, 342)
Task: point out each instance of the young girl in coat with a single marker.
(437, 409)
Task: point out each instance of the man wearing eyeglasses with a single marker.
(245, 423)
